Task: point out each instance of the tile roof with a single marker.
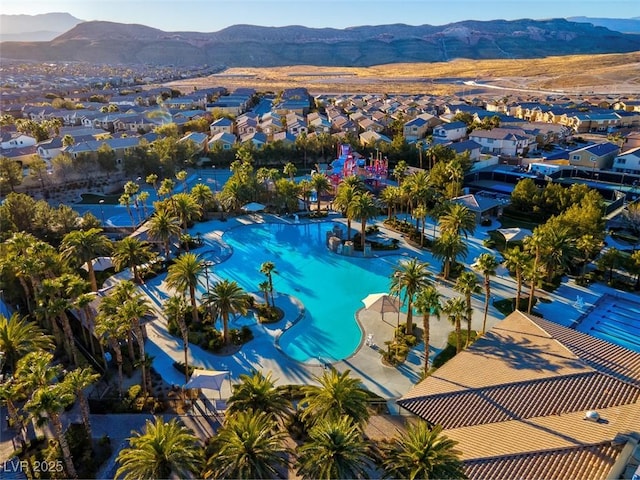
(592, 462)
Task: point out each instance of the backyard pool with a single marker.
(330, 286)
(615, 320)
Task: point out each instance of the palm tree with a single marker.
(10, 392)
(448, 247)
(456, 309)
(534, 244)
(559, 251)
(420, 213)
(112, 329)
(516, 260)
(203, 196)
(164, 227)
(175, 308)
(183, 275)
(428, 302)
(588, 245)
(389, 196)
(467, 284)
(77, 381)
(132, 311)
(364, 208)
(83, 246)
(320, 184)
(610, 259)
(458, 219)
(407, 278)
(290, 170)
(345, 197)
(488, 265)
(258, 393)
(46, 405)
(131, 252)
(335, 450)
(269, 268)
(225, 298)
(422, 452)
(338, 395)
(185, 208)
(162, 450)
(400, 171)
(265, 289)
(19, 337)
(248, 445)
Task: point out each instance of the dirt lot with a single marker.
(617, 75)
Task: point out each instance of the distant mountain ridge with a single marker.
(624, 25)
(254, 46)
(35, 28)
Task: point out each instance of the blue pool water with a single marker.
(614, 320)
(330, 286)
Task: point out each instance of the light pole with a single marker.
(102, 211)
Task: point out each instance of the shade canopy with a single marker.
(100, 263)
(207, 379)
(514, 234)
(382, 303)
(253, 207)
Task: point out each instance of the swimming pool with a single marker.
(330, 286)
(615, 320)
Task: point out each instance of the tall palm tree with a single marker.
(18, 337)
(112, 329)
(268, 268)
(183, 275)
(420, 213)
(467, 284)
(488, 265)
(258, 392)
(227, 298)
(83, 246)
(389, 196)
(336, 449)
(320, 184)
(422, 452)
(456, 309)
(175, 308)
(161, 450)
(10, 393)
(132, 311)
(203, 196)
(533, 244)
(448, 247)
(164, 227)
(46, 405)
(77, 381)
(185, 208)
(337, 395)
(290, 170)
(131, 252)
(407, 278)
(559, 251)
(458, 219)
(589, 245)
(517, 260)
(249, 445)
(428, 302)
(364, 208)
(344, 199)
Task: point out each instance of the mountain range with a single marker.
(254, 46)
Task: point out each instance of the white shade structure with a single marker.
(514, 234)
(207, 379)
(382, 303)
(100, 264)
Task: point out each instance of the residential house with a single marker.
(503, 141)
(627, 105)
(518, 400)
(628, 162)
(631, 140)
(119, 145)
(222, 141)
(221, 125)
(296, 124)
(135, 123)
(598, 155)
(318, 123)
(259, 139)
(246, 125)
(466, 146)
(417, 127)
(596, 122)
(230, 104)
(449, 132)
(199, 139)
(368, 125)
(286, 138)
(49, 149)
(271, 123)
(16, 140)
(372, 138)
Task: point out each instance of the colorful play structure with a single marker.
(352, 163)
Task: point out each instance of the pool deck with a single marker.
(262, 353)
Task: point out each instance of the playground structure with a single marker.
(352, 163)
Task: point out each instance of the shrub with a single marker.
(180, 367)
(134, 392)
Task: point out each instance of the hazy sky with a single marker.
(213, 15)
